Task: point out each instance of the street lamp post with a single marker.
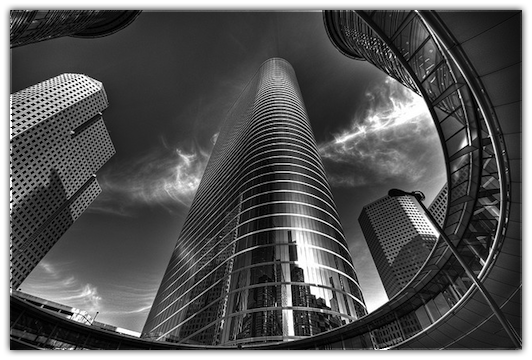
(419, 196)
(94, 318)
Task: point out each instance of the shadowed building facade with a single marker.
(58, 142)
(262, 255)
(31, 26)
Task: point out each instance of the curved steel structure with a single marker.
(444, 61)
(31, 26)
(466, 65)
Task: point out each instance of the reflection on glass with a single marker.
(262, 256)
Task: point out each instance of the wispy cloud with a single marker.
(124, 304)
(56, 283)
(214, 138)
(166, 176)
(128, 299)
(391, 136)
(127, 303)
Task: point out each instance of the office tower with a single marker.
(58, 142)
(31, 26)
(399, 238)
(261, 256)
(438, 206)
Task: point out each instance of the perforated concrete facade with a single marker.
(58, 142)
(438, 207)
(399, 237)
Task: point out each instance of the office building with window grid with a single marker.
(399, 238)
(438, 206)
(58, 142)
(262, 256)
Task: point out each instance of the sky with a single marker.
(170, 77)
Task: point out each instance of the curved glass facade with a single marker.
(31, 26)
(262, 256)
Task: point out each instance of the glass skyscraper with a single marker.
(262, 255)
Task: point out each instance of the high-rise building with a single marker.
(399, 238)
(31, 26)
(262, 256)
(438, 206)
(58, 142)
(396, 257)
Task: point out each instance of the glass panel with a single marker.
(450, 126)
(457, 142)
(459, 191)
(131, 346)
(459, 163)
(418, 34)
(255, 325)
(67, 336)
(98, 342)
(437, 82)
(381, 19)
(450, 102)
(425, 60)
(423, 317)
(441, 303)
(433, 310)
(395, 19)
(308, 323)
(26, 328)
(59, 345)
(459, 176)
(402, 41)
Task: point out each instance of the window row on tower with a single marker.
(298, 176)
(292, 282)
